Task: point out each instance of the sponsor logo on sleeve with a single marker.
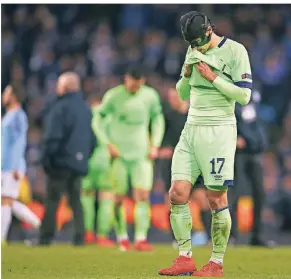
(246, 76)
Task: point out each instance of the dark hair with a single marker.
(137, 72)
(194, 24)
(18, 92)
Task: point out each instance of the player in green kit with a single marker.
(132, 107)
(215, 75)
(98, 178)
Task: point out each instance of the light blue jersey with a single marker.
(13, 141)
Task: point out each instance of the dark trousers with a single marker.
(59, 182)
(248, 171)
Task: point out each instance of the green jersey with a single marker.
(209, 105)
(130, 115)
(100, 156)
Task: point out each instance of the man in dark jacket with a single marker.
(251, 142)
(68, 142)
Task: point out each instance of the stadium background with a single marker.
(99, 41)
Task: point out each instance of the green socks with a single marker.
(104, 217)
(181, 223)
(220, 231)
(142, 220)
(89, 211)
(120, 222)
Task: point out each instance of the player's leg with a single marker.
(185, 171)
(105, 208)
(199, 196)
(88, 205)
(9, 193)
(23, 213)
(217, 165)
(119, 178)
(6, 217)
(141, 174)
(166, 176)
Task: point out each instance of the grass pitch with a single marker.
(91, 262)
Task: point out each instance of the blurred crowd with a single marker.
(99, 41)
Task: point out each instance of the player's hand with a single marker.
(15, 175)
(166, 152)
(241, 143)
(206, 71)
(154, 153)
(188, 71)
(113, 150)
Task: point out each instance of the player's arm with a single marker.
(183, 87)
(106, 111)
(157, 122)
(20, 127)
(241, 89)
(99, 128)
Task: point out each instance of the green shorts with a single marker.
(98, 177)
(208, 151)
(139, 172)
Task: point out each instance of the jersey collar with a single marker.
(221, 43)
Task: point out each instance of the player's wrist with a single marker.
(212, 77)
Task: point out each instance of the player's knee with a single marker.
(141, 195)
(106, 195)
(200, 197)
(119, 199)
(179, 192)
(6, 201)
(217, 199)
(88, 192)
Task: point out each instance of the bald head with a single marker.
(68, 82)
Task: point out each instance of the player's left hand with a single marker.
(154, 153)
(16, 175)
(205, 71)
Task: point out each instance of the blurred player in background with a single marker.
(13, 166)
(215, 75)
(175, 112)
(98, 178)
(133, 106)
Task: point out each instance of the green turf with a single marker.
(64, 261)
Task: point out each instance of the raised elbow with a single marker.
(246, 97)
(183, 89)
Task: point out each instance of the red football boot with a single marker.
(104, 242)
(211, 269)
(124, 245)
(143, 245)
(182, 266)
(89, 237)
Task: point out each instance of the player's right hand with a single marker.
(113, 150)
(166, 152)
(241, 143)
(15, 175)
(188, 70)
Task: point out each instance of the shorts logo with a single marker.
(218, 177)
(246, 76)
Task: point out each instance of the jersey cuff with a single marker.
(244, 84)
